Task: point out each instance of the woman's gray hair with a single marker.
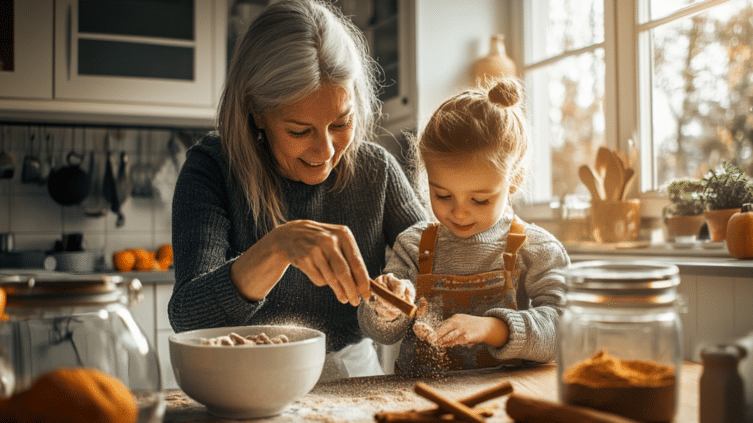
(292, 48)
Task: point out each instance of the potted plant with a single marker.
(725, 189)
(684, 216)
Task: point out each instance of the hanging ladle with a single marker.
(7, 160)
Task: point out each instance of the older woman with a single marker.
(283, 215)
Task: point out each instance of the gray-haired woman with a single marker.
(283, 214)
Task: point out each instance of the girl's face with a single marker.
(308, 137)
(468, 197)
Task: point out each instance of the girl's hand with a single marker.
(466, 329)
(399, 287)
(326, 253)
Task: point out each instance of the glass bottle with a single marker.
(495, 64)
(620, 339)
(54, 321)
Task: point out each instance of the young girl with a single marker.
(489, 285)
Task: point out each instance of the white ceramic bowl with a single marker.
(247, 381)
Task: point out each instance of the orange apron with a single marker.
(448, 295)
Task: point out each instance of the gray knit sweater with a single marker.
(540, 289)
(212, 227)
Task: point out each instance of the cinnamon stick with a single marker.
(411, 417)
(406, 307)
(447, 405)
(488, 394)
(534, 410)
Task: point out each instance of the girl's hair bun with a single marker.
(505, 93)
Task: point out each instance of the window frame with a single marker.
(628, 80)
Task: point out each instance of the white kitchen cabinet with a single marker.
(143, 313)
(138, 62)
(26, 72)
(163, 331)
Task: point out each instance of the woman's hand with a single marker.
(399, 287)
(327, 254)
(466, 329)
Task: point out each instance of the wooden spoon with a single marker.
(603, 157)
(592, 181)
(629, 178)
(614, 179)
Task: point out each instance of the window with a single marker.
(672, 89)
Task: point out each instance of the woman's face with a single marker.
(308, 137)
(466, 197)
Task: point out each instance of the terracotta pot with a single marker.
(684, 226)
(717, 221)
(615, 221)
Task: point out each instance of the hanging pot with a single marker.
(70, 184)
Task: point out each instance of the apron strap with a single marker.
(426, 249)
(515, 239)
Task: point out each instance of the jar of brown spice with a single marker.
(620, 339)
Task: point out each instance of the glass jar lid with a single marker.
(25, 290)
(622, 282)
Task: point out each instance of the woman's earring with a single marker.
(260, 136)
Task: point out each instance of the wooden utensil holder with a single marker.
(615, 221)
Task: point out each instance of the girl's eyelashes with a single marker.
(477, 202)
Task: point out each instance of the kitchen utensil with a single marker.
(592, 181)
(48, 163)
(70, 185)
(7, 242)
(281, 373)
(74, 261)
(31, 167)
(629, 177)
(95, 204)
(73, 321)
(7, 160)
(614, 178)
(110, 189)
(142, 173)
(603, 157)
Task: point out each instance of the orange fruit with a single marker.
(163, 263)
(165, 251)
(144, 259)
(124, 261)
(165, 256)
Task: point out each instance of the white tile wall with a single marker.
(37, 221)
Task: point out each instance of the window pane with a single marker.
(659, 9)
(567, 117)
(702, 91)
(557, 26)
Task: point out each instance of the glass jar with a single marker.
(620, 339)
(55, 321)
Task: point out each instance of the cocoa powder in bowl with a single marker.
(640, 390)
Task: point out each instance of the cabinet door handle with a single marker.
(69, 40)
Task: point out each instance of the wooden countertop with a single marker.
(358, 399)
